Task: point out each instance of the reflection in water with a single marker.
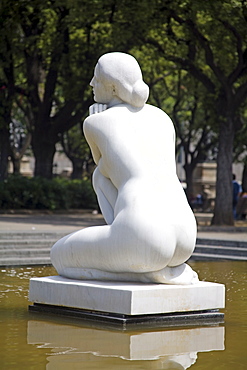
(16, 353)
(167, 349)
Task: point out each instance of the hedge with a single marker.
(18, 192)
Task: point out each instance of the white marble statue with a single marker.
(151, 230)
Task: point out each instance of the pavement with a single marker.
(26, 237)
(31, 222)
(238, 232)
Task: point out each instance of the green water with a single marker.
(32, 341)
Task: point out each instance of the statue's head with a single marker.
(119, 74)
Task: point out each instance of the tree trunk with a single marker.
(77, 168)
(223, 212)
(43, 151)
(16, 165)
(189, 182)
(244, 177)
(4, 152)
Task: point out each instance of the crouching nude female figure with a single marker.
(151, 230)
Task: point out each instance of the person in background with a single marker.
(241, 208)
(236, 188)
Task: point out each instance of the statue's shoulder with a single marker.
(89, 125)
(96, 123)
(157, 111)
(93, 119)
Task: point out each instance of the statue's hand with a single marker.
(97, 108)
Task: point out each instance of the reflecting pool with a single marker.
(34, 341)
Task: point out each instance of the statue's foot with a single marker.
(179, 275)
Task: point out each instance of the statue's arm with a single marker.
(89, 135)
(89, 131)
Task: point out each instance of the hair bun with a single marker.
(140, 92)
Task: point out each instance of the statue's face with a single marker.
(102, 93)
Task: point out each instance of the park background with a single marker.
(193, 55)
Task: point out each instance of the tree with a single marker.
(185, 102)
(77, 150)
(61, 42)
(209, 41)
(196, 137)
(5, 107)
(52, 50)
(7, 84)
(55, 45)
(52, 113)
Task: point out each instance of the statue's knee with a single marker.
(54, 253)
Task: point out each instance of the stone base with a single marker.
(118, 303)
(105, 319)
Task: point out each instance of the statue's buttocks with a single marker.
(151, 229)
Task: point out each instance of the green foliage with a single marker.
(19, 192)
(74, 144)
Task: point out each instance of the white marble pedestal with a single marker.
(121, 303)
